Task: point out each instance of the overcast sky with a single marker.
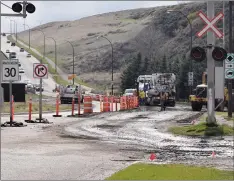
(48, 11)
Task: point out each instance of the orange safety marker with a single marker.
(106, 104)
(73, 106)
(88, 106)
(79, 100)
(12, 108)
(112, 103)
(57, 107)
(116, 104)
(152, 157)
(213, 154)
(101, 109)
(29, 110)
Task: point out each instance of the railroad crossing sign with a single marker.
(229, 66)
(40, 70)
(10, 70)
(210, 24)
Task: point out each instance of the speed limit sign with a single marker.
(10, 70)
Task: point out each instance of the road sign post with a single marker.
(10, 73)
(190, 78)
(229, 66)
(40, 71)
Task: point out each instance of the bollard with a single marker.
(73, 106)
(116, 104)
(29, 110)
(57, 107)
(12, 108)
(112, 103)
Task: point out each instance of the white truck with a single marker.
(69, 92)
(161, 82)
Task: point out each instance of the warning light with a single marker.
(198, 54)
(219, 54)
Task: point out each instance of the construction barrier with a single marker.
(106, 104)
(12, 108)
(29, 110)
(57, 107)
(79, 101)
(101, 101)
(123, 103)
(112, 103)
(116, 104)
(73, 106)
(88, 106)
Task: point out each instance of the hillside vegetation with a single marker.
(152, 32)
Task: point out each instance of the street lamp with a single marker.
(28, 35)
(55, 52)
(112, 60)
(191, 38)
(73, 53)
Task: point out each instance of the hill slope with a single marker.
(151, 31)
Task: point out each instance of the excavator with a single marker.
(200, 97)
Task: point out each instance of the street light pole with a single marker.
(28, 35)
(112, 61)
(55, 51)
(73, 53)
(191, 38)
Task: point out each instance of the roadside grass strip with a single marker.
(170, 172)
(202, 129)
(24, 107)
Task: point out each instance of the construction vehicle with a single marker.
(69, 92)
(199, 99)
(161, 82)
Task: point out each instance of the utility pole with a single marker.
(230, 51)
(1, 89)
(210, 67)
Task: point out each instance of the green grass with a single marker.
(225, 115)
(202, 129)
(170, 172)
(23, 107)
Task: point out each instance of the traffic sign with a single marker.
(10, 70)
(40, 70)
(229, 66)
(210, 24)
(190, 76)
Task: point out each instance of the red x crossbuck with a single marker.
(210, 24)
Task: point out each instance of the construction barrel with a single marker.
(88, 106)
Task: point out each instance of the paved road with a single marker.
(27, 64)
(60, 71)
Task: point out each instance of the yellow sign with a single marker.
(70, 77)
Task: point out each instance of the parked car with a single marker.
(37, 87)
(8, 41)
(12, 44)
(21, 70)
(21, 49)
(29, 88)
(12, 55)
(7, 51)
(130, 92)
(28, 55)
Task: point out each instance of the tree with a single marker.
(146, 65)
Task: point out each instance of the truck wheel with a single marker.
(173, 104)
(196, 106)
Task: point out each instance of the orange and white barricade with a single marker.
(106, 104)
(88, 106)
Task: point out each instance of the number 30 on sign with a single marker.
(10, 70)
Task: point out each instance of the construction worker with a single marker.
(142, 97)
(163, 99)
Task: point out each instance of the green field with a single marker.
(170, 172)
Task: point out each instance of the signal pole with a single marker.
(210, 67)
(230, 51)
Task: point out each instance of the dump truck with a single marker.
(199, 97)
(69, 92)
(161, 82)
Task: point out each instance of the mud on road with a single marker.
(146, 130)
(95, 147)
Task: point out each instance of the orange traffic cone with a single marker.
(152, 157)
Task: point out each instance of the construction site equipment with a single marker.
(69, 92)
(199, 97)
(161, 82)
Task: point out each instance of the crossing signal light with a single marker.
(28, 7)
(219, 54)
(17, 7)
(198, 54)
